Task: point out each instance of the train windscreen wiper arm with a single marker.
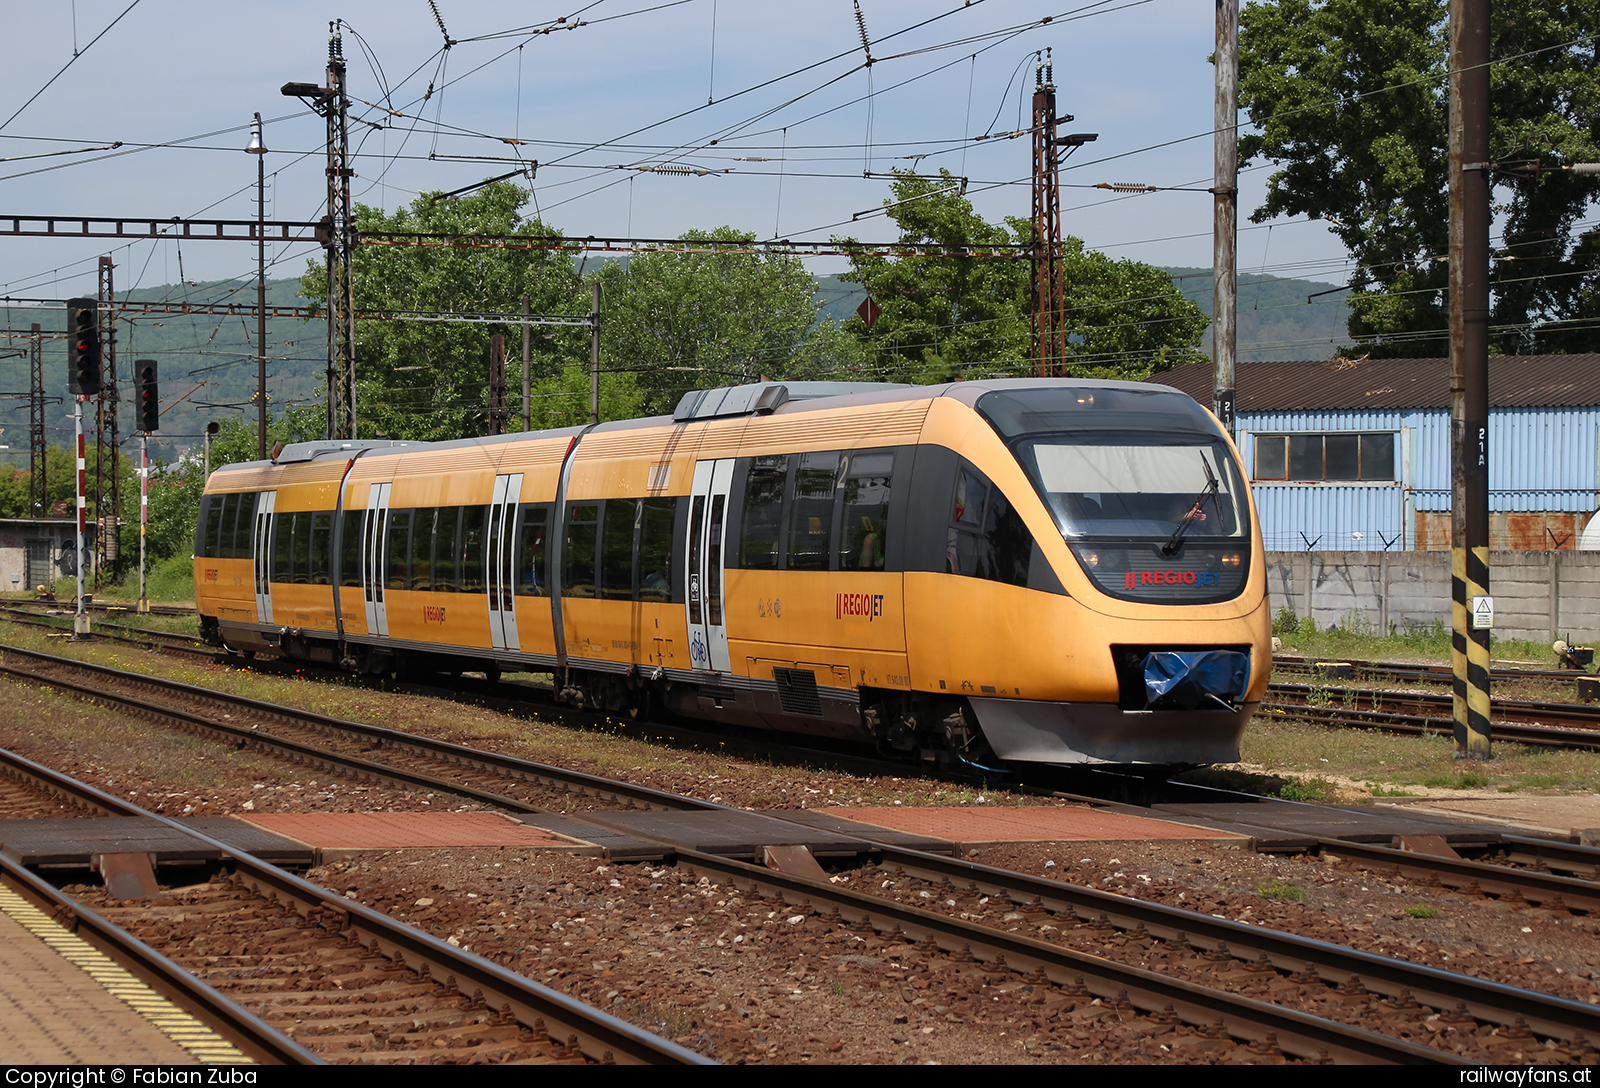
(1173, 541)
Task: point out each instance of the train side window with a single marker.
(697, 513)
(229, 510)
(762, 528)
(320, 551)
(447, 533)
(350, 548)
(658, 519)
(532, 551)
(583, 528)
(616, 549)
(282, 548)
(987, 537)
(811, 511)
(864, 524)
(472, 548)
(302, 548)
(714, 564)
(209, 546)
(244, 525)
(397, 550)
(422, 538)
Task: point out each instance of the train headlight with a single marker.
(1086, 399)
(1092, 558)
(1231, 560)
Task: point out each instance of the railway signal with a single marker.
(83, 347)
(146, 398)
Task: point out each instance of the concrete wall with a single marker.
(1540, 596)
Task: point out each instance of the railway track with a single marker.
(330, 980)
(1381, 979)
(1408, 672)
(369, 992)
(1292, 701)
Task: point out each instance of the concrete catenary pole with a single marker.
(1225, 216)
(1472, 609)
(594, 357)
(259, 150)
(527, 383)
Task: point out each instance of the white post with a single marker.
(144, 512)
(80, 620)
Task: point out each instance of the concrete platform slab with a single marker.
(830, 820)
(973, 827)
(76, 841)
(1367, 823)
(338, 834)
(729, 834)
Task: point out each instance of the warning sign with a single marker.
(1482, 613)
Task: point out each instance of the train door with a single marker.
(502, 560)
(373, 546)
(261, 540)
(708, 509)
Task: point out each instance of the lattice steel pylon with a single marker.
(341, 244)
(107, 492)
(38, 486)
(1049, 287)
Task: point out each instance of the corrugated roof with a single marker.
(1515, 381)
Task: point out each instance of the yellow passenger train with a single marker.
(1029, 571)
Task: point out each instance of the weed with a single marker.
(1316, 694)
(1285, 622)
(1384, 791)
(1310, 789)
(838, 989)
(1422, 912)
(1280, 889)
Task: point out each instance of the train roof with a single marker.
(756, 398)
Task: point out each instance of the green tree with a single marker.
(429, 380)
(1349, 102)
(948, 317)
(687, 320)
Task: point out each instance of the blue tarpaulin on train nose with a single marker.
(1185, 678)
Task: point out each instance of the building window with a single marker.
(1313, 458)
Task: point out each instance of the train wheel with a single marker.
(492, 674)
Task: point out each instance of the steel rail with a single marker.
(508, 766)
(1556, 855)
(1295, 1032)
(360, 769)
(1422, 724)
(1491, 1001)
(1401, 670)
(1543, 888)
(254, 1036)
(600, 1035)
(1523, 708)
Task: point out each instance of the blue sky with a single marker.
(188, 76)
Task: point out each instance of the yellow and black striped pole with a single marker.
(1472, 609)
(1469, 645)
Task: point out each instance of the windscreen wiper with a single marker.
(1176, 539)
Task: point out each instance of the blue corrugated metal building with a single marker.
(1354, 455)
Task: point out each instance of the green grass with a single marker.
(1355, 636)
(1422, 912)
(1296, 755)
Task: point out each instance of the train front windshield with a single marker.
(1122, 487)
(1141, 483)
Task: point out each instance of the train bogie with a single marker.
(1041, 571)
